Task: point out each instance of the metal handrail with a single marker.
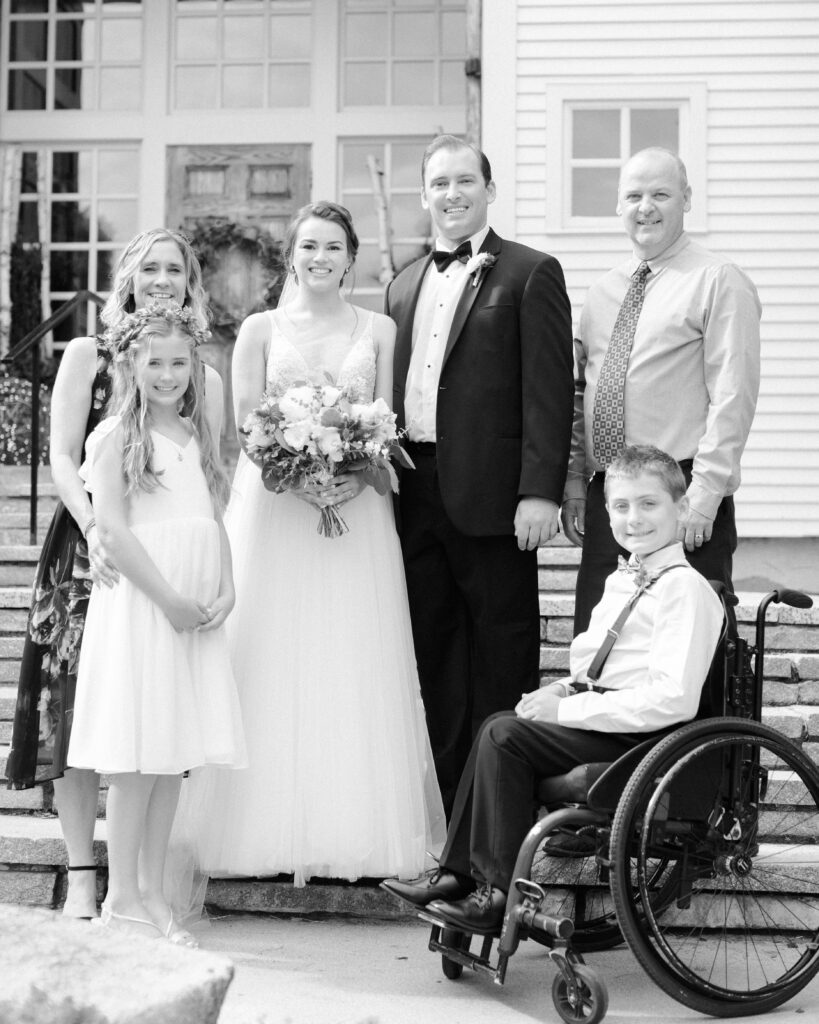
(32, 341)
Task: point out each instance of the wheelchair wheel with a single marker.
(735, 807)
(587, 900)
(588, 1001)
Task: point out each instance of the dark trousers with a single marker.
(495, 802)
(475, 619)
(714, 559)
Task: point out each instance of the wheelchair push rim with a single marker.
(736, 805)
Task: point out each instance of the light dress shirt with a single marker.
(693, 373)
(434, 313)
(659, 662)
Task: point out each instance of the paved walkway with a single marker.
(344, 971)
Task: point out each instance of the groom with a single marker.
(483, 382)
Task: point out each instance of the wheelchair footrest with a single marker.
(478, 962)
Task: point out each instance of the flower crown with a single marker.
(120, 337)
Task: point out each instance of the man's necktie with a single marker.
(443, 258)
(609, 419)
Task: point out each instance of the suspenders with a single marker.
(613, 633)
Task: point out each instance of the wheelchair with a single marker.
(700, 850)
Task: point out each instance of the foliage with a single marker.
(26, 311)
(211, 240)
(15, 420)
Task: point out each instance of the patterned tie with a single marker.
(608, 420)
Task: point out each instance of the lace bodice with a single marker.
(350, 364)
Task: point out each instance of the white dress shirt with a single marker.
(659, 662)
(434, 313)
(693, 373)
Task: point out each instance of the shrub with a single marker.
(15, 420)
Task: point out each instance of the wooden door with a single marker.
(237, 201)
(256, 188)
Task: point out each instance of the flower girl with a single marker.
(155, 692)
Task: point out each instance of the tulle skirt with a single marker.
(150, 699)
(341, 781)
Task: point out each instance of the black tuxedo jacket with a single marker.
(504, 412)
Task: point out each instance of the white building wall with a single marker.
(757, 200)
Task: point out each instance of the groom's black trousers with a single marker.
(475, 619)
(495, 802)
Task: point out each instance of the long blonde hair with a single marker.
(121, 300)
(129, 339)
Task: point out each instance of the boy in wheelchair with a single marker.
(649, 682)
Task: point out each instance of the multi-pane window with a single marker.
(64, 55)
(81, 206)
(603, 137)
(403, 52)
(400, 161)
(232, 54)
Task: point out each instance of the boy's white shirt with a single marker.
(660, 660)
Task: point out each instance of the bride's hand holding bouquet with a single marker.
(313, 440)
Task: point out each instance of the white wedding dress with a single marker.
(341, 781)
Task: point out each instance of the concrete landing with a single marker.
(314, 971)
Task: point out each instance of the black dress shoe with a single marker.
(440, 885)
(480, 913)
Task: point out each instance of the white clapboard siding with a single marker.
(758, 63)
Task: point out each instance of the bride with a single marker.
(341, 782)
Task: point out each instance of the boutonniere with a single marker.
(478, 266)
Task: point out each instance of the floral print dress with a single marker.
(48, 670)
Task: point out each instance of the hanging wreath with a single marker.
(211, 240)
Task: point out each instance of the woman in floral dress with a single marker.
(156, 265)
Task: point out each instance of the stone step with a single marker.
(8, 699)
(20, 506)
(15, 597)
(9, 671)
(556, 556)
(19, 520)
(552, 580)
(12, 620)
(26, 554)
(20, 476)
(17, 574)
(11, 647)
(14, 489)
(21, 534)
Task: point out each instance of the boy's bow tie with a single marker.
(443, 258)
(639, 572)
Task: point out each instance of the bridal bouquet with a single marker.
(311, 433)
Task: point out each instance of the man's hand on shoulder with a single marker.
(535, 522)
(695, 530)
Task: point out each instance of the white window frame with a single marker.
(93, 63)
(562, 99)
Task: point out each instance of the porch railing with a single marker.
(32, 342)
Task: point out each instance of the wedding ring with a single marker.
(697, 536)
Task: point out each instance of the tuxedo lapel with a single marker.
(491, 244)
(405, 318)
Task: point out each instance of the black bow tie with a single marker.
(443, 258)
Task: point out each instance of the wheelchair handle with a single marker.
(793, 598)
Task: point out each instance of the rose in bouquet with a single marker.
(311, 433)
